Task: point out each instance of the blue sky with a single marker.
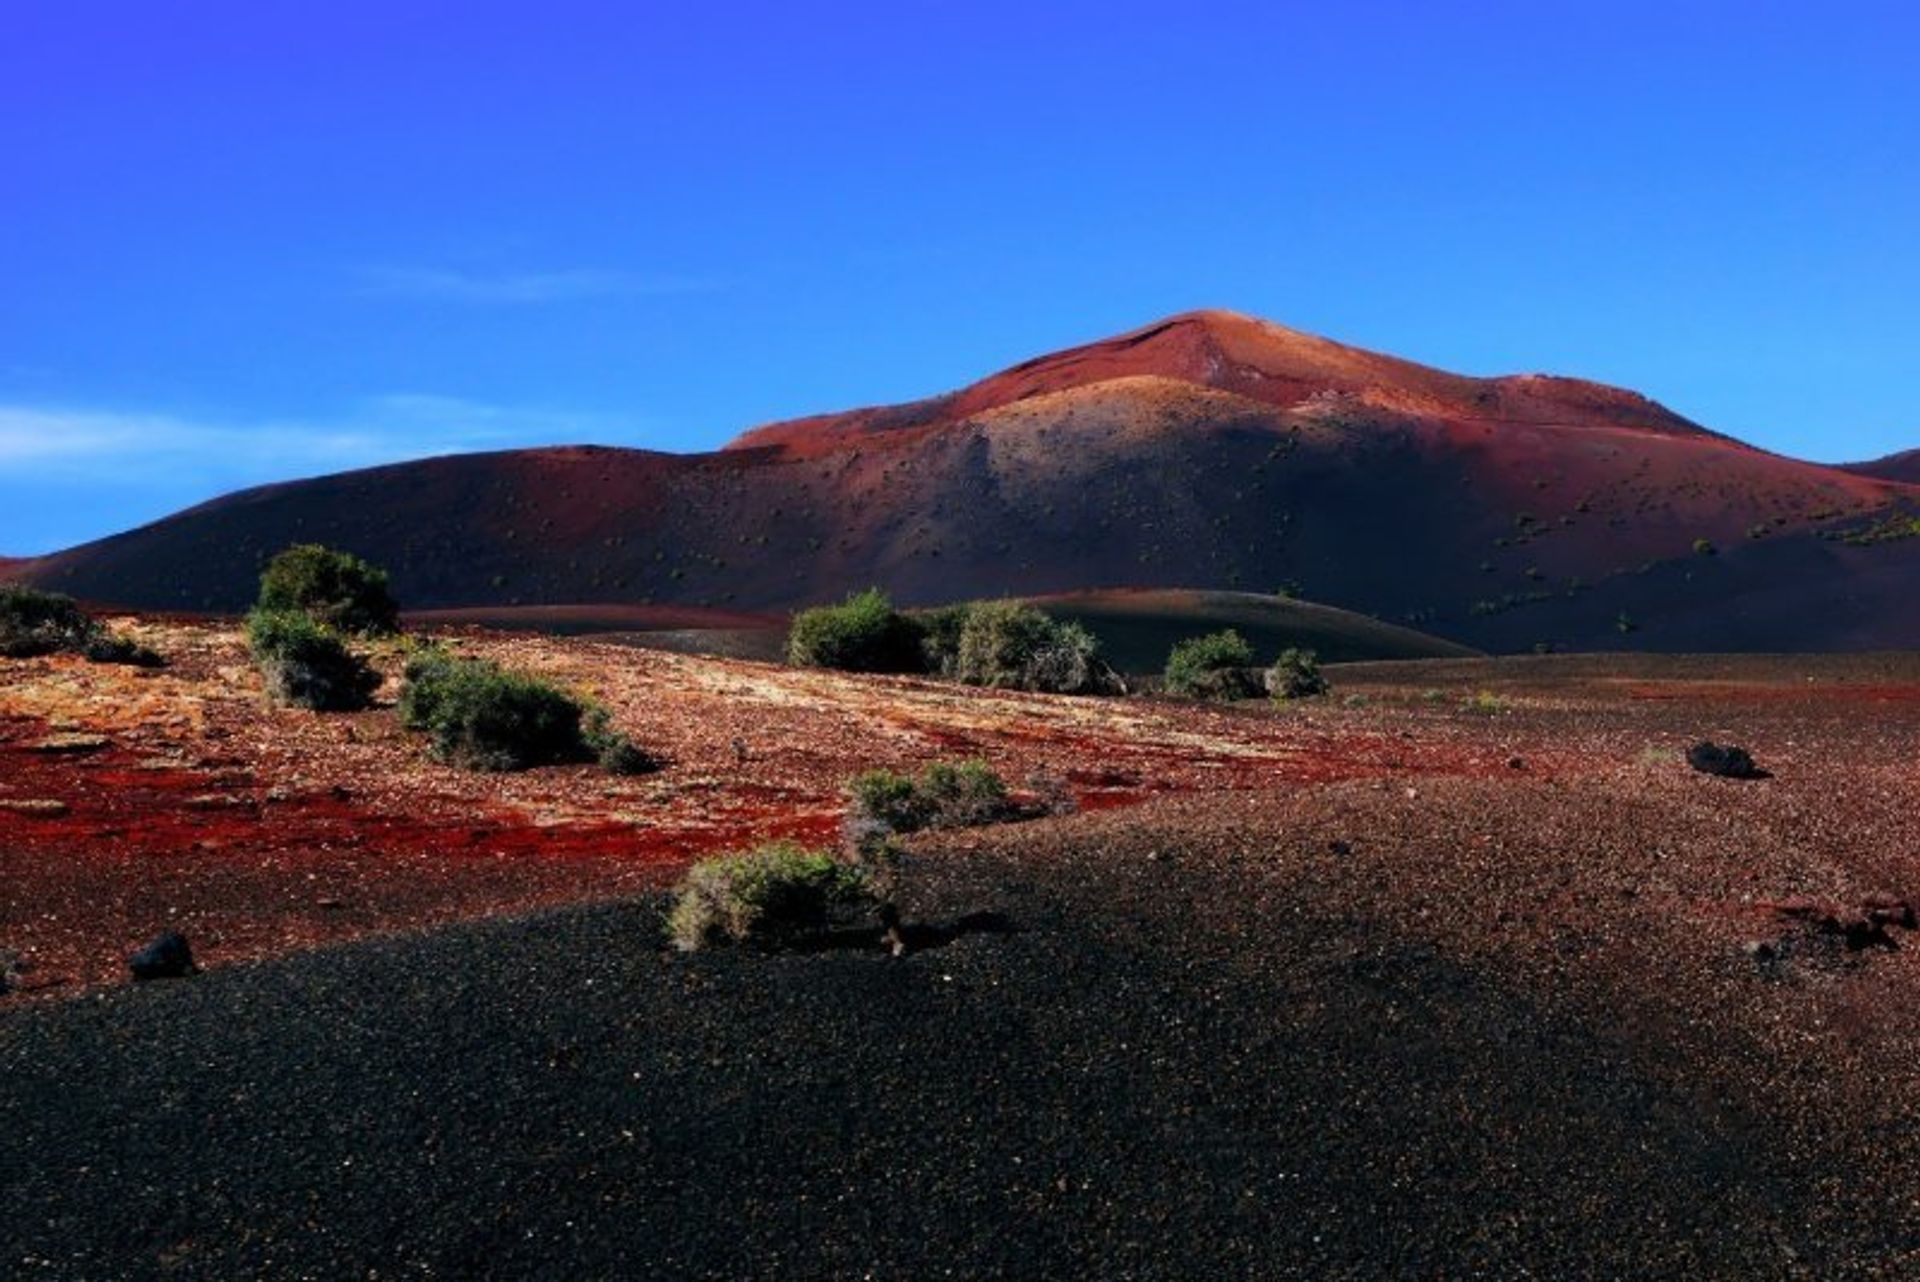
(247, 241)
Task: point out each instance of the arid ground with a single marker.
(1460, 971)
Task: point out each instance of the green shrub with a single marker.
(863, 634)
(615, 751)
(337, 589)
(429, 670)
(884, 803)
(962, 795)
(33, 622)
(1008, 645)
(483, 717)
(1215, 666)
(307, 665)
(940, 637)
(775, 895)
(1296, 675)
(111, 647)
(1484, 703)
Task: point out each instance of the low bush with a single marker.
(430, 669)
(862, 634)
(940, 637)
(336, 589)
(33, 623)
(483, 717)
(617, 753)
(1296, 675)
(962, 795)
(1008, 645)
(771, 896)
(883, 803)
(1216, 666)
(307, 665)
(112, 647)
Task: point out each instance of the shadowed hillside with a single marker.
(1208, 451)
(1903, 467)
(1136, 628)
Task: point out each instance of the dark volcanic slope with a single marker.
(1209, 451)
(1119, 1090)
(1903, 467)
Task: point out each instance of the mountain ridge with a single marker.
(1902, 466)
(1260, 359)
(1205, 451)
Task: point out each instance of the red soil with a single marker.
(257, 830)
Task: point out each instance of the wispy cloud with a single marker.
(134, 448)
(521, 287)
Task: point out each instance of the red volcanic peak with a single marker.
(1280, 367)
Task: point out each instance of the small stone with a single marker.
(69, 743)
(1726, 762)
(167, 957)
(38, 807)
(1891, 910)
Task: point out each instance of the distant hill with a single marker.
(1136, 628)
(1903, 467)
(1210, 450)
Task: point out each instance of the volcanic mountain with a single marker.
(1904, 466)
(1210, 450)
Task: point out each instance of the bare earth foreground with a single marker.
(1389, 985)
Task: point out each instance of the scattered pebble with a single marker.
(70, 743)
(39, 807)
(167, 957)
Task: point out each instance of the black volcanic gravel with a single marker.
(1175, 1067)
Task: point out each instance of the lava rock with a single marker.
(1728, 762)
(38, 808)
(1891, 910)
(69, 744)
(167, 957)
